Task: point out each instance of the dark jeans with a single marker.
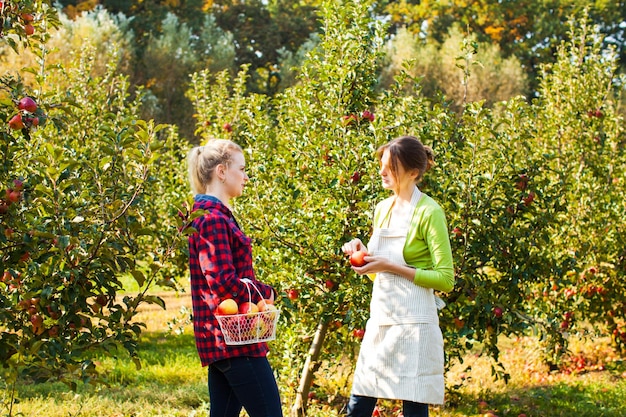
(360, 406)
(243, 382)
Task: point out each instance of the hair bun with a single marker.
(430, 156)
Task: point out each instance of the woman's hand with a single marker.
(353, 246)
(377, 264)
(373, 265)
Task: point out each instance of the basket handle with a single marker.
(249, 283)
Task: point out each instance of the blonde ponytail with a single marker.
(202, 161)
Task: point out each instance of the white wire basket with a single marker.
(248, 328)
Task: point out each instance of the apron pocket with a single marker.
(408, 350)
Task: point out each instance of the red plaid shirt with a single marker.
(220, 255)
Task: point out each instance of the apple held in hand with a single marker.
(227, 307)
(358, 258)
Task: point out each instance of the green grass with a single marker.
(171, 382)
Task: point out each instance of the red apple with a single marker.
(248, 308)
(29, 29)
(102, 300)
(265, 304)
(329, 284)
(228, 127)
(522, 183)
(16, 122)
(497, 311)
(348, 119)
(13, 195)
(356, 177)
(457, 232)
(367, 115)
(529, 198)
(36, 320)
(32, 121)
(292, 294)
(23, 304)
(28, 104)
(258, 328)
(358, 258)
(27, 17)
(53, 331)
(227, 307)
(358, 333)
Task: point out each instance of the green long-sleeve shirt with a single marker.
(427, 246)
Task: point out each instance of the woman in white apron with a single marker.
(409, 256)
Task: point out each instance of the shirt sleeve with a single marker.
(441, 276)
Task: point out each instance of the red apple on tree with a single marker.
(529, 199)
(292, 294)
(32, 121)
(37, 322)
(29, 29)
(367, 115)
(16, 122)
(102, 300)
(358, 333)
(13, 195)
(53, 331)
(28, 104)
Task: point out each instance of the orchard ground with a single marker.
(171, 382)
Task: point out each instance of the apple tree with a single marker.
(505, 176)
(79, 217)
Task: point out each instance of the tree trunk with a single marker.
(310, 366)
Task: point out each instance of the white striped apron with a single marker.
(401, 356)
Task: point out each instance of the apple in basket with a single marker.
(248, 308)
(227, 307)
(259, 328)
(263, 304)
(270, 311)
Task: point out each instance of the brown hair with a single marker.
(410, 153)
(203, 160)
